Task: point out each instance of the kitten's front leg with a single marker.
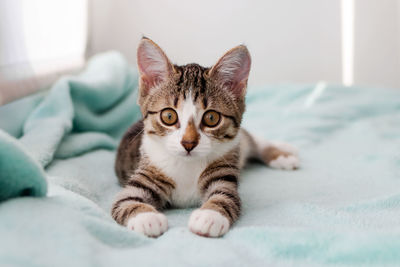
(221, 207)
(137, 205)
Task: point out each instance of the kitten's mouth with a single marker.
(188, 155)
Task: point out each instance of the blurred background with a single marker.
(350, 42)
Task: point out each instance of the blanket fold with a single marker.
(20, 175)
(80, 114)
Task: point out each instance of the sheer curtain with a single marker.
(39, 40)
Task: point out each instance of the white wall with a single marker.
(377, 42)
(289, 40)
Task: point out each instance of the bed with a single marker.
(342, 207)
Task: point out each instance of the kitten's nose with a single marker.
(189, 145)
(191, 137)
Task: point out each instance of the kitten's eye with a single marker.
(211, 118)
(169, 116)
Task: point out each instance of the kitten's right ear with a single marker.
(232, 70)
(153, 64)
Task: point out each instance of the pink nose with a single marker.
(191, 137)
(189, 145)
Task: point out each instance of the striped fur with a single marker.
(218, 185)
(188, 163)
(146, 189)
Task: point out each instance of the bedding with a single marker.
(342, 207)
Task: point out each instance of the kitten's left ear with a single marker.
(153, 64)
(232, 70)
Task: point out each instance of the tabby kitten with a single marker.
(189, 148)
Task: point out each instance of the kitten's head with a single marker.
(192, 111)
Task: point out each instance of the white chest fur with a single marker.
(185, 173)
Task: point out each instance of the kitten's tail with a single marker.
(274, 154)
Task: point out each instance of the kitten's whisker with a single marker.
(136, 136)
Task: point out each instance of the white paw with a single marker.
(151, 224)
(208, 223)
(290, 162)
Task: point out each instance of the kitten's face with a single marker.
(191, 111)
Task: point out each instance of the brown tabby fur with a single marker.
(146, 188)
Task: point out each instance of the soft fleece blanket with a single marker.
(341, 208)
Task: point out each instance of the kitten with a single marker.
(189, 148)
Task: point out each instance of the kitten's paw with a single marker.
(152, 224)
(208, 223)
(281, 156)
(290, 162)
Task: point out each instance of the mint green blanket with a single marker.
(341, 208)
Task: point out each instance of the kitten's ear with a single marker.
(153, 64)
(232, 70)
